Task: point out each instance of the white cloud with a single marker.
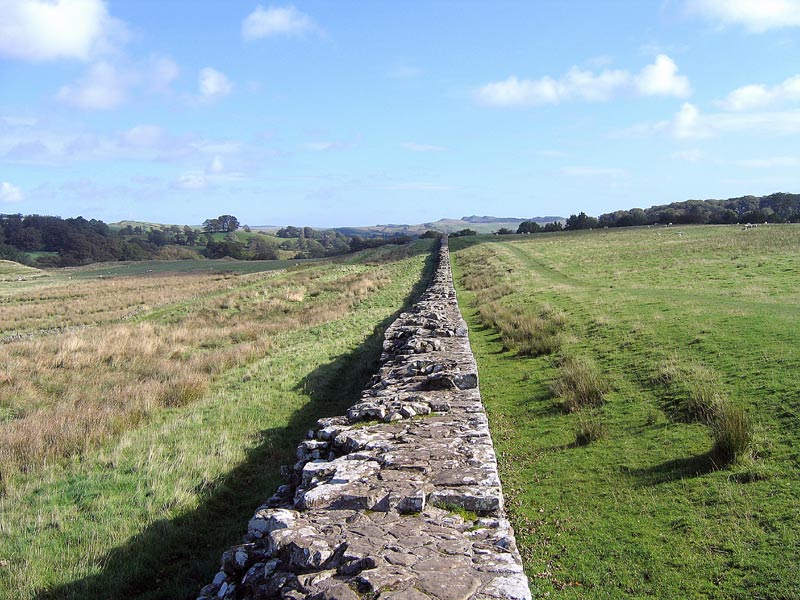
(757, 16)
(755, 96)
(10, 193)
(660, 78)
(414, 147)
(38, 30)
(104, 87)
(276, 21)
(213, 84)
(516, 92)
(690, 123)
(592, 172)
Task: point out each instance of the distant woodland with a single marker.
(47, 241)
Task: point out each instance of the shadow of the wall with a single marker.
(173, 559)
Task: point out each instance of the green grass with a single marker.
(148, 514)
(222, 265)
(677, 325)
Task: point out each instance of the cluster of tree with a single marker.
(775, 208)
(66, 242)
(463, 233)
(223, 223)
(257, 248)
(534, 227)
(311, 243)
(359, 243)
(164, 236)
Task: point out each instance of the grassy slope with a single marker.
(643, 512)
(149, 514)
(12, 270)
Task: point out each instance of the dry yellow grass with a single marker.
(62, 393)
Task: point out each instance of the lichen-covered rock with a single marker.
(373, 507)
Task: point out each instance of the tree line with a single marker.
(775, 208)
(48, 241)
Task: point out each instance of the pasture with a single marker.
(624, 492)
(144, 416)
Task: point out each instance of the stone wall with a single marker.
(399, 499)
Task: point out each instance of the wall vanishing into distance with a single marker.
(399, 499)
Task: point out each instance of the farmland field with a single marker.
(144, 416)
(630, 494)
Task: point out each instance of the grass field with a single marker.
(625, 495)
(143, 418)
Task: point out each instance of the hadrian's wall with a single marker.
(375, 506)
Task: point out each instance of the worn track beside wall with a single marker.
(399, 499)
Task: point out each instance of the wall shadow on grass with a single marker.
(173, 559)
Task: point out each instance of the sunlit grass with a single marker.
(172, 425)
(682, 482)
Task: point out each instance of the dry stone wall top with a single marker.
(400, 498)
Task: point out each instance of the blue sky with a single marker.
(356, 113)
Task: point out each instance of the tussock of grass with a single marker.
(580, 384)
(732, 432)
(589, 428)
(695, 394)
(693, 389)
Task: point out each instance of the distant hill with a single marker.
(476, 219)
(484, 224)
(481, 224)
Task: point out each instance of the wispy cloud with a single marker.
(415, 147)
(277, 21)
(757, 16)
(104, 87)
(691, 123)
(658, 79)
(107, 85)
(325, 146)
